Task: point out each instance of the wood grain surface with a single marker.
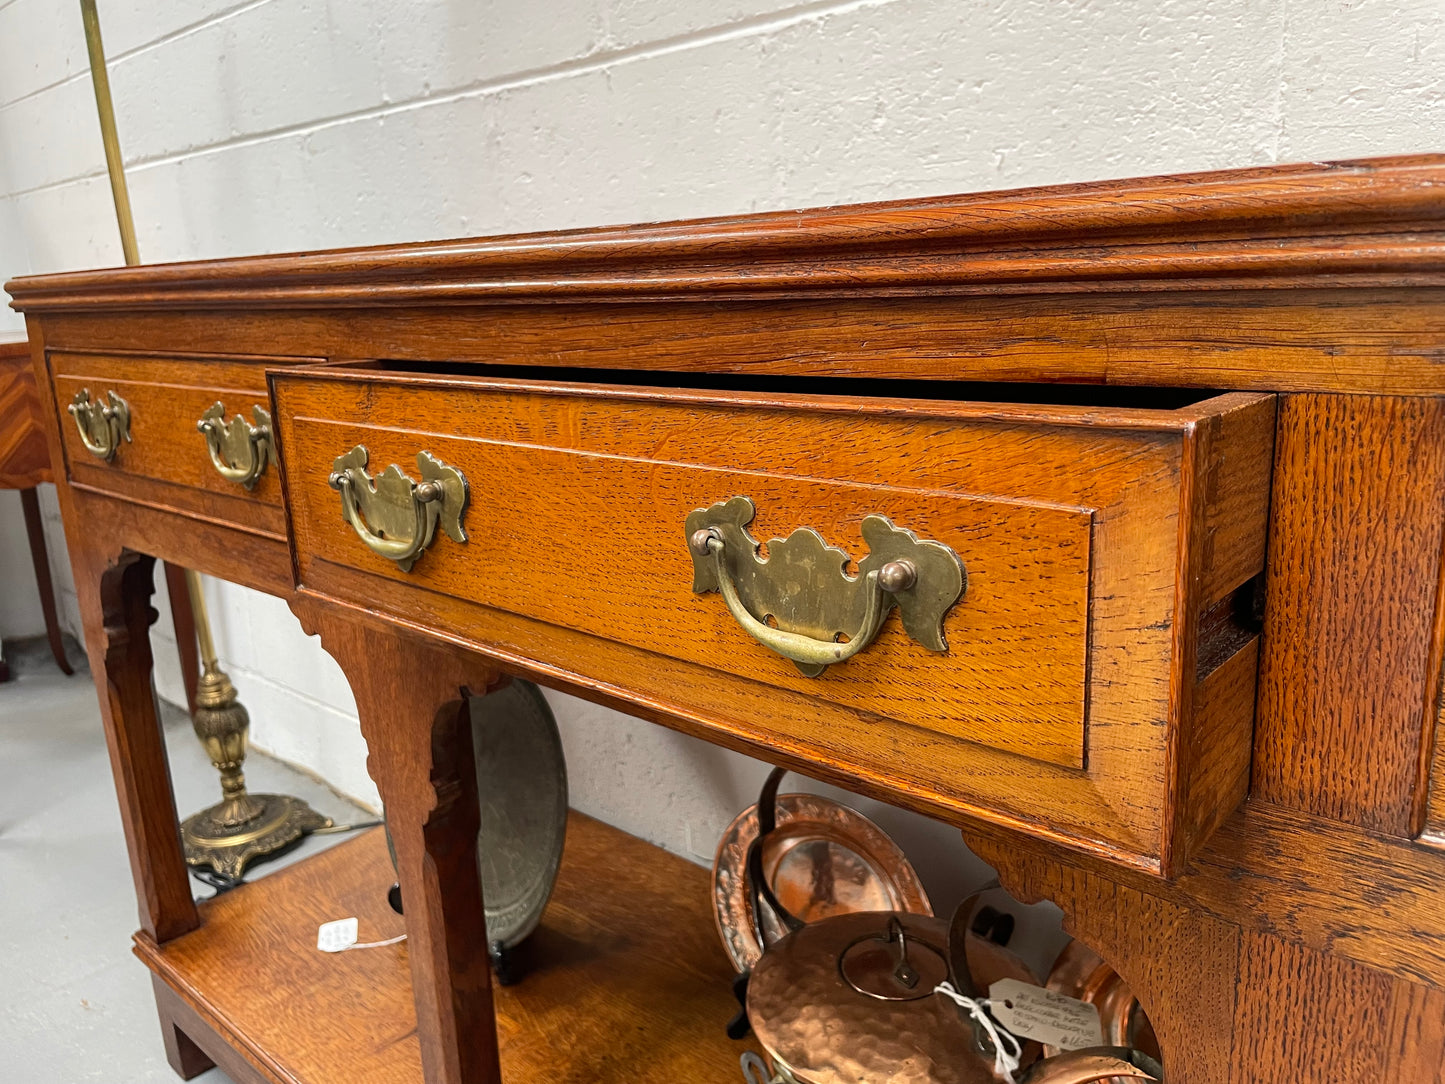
(1276, 224)
(412, 700)
(120, 658)
(1318, 276)
(1346, 688)
(24, 455)
(1298, 878)
(1261, 966)
(624, 981)
(1300, 939)
(1024, 495)
(166, 461)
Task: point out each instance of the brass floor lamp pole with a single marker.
(242, 827)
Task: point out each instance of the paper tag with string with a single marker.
(337, 936)
(1054, 1019)
(340, 935)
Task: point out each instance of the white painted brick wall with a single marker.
(274, 125)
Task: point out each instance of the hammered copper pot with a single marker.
(849, 1000)
(1104, 1065)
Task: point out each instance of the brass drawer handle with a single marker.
(239, 450)
(395, 516)
(804, 586)
(102, 425)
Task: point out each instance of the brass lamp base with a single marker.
(229, 849)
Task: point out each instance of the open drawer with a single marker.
(1040, 615)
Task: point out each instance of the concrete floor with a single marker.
(75, 1005)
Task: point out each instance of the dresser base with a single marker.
(624, 980)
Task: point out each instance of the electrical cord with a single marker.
(223, 883)
(336, 829)
(219, 881)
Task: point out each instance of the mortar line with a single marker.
(1280, 58)
(594, 62)
(164, 39)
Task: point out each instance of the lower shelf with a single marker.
(624, 981)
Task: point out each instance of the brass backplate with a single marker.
(803, 585)
(395, 516)
(102, 424)
(239, 449)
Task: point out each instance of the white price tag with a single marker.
(336, 936)
(1031, 1012)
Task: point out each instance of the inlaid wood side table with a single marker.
(24, 464)
(1104, 522)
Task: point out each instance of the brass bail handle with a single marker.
(806, 651)
(406, 548)
(800, 600)
(239, 450)
(395, 516)
(102, 425)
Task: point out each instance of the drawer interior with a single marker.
(1109, 396)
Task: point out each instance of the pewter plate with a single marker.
(522, 790)
(522, 786)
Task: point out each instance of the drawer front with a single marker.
(161, 458)
(1061, 693)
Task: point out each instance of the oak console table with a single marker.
(1152, 473)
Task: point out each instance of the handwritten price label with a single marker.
(1031, 1012)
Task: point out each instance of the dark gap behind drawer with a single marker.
(1085, 395)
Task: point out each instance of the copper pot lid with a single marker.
(822, 860)
(1082, 973)
(849, 1000)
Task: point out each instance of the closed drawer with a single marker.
(1096, 677)
(129, 425)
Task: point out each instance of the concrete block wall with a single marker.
(273, 125)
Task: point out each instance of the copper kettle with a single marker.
(850, 1000)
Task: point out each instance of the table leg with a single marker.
(34, 529)
(115, 606)
(184, 620)
(185, 1057)
(412, 697)
(1237, 1002)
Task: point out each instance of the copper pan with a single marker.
(1093, 1067)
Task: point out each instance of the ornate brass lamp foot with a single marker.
(280, 821)
(242, 827)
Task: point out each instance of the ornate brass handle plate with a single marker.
(102, 425)
(239, 450)
(395, 516)
(823, 615)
